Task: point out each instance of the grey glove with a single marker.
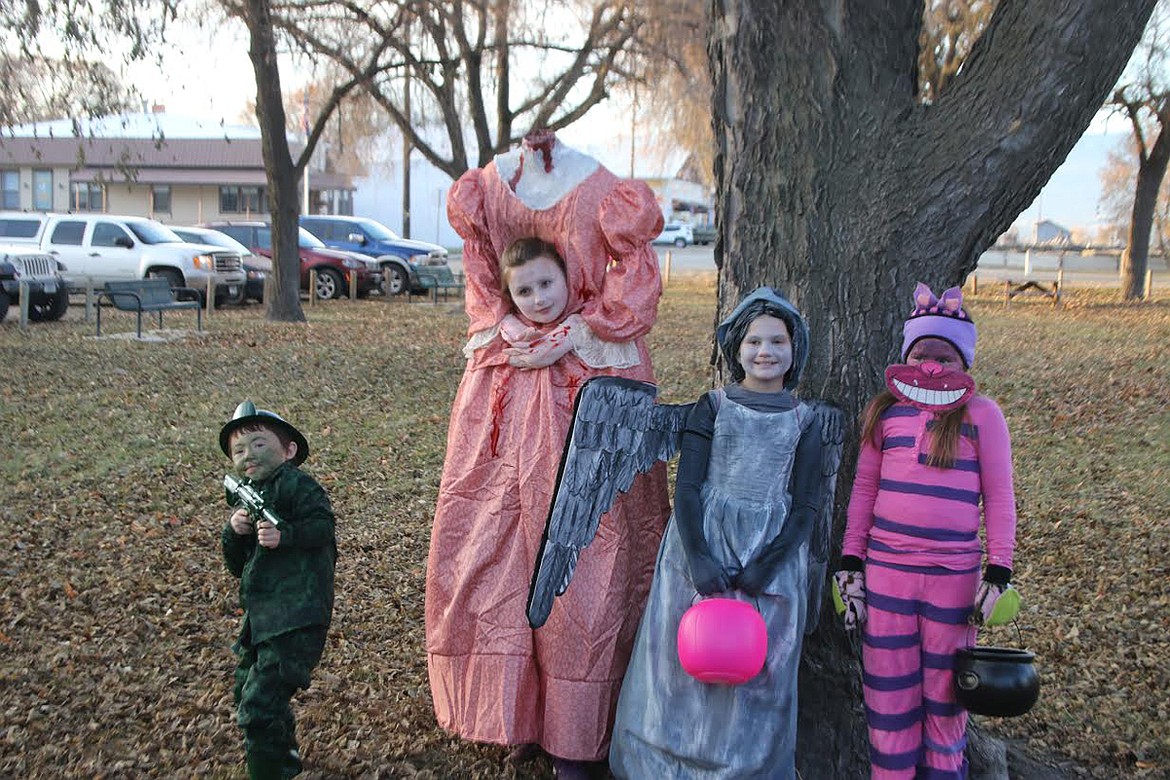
(707, 576)
(992, 587)
(850, 592)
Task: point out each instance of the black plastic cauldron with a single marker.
(997, 681)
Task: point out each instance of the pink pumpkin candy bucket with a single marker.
(722, 641)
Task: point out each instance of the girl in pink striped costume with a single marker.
(935, 459)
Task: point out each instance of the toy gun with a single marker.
(242, 494)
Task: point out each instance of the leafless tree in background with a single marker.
(284, 173)
(1143, 97)
(1118, 180)
(480, 74)
(670, 88)
(36, 89)
(59, 58)
(949, 31)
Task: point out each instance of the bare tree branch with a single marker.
(463, 59)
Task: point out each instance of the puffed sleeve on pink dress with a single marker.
(467, 215)
(628, 305)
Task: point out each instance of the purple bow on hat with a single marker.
(940, 317)
(951, 302)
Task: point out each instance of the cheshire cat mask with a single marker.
(929, 386)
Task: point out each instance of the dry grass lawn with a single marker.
(116, 613)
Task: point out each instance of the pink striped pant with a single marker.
(917, 617)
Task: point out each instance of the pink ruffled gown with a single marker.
(493, 678)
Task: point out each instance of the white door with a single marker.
(66, 242)
(113, 253)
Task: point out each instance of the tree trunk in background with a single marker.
(839, 188)
(1151, 170)
(282, 296)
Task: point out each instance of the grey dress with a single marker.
(669, 725)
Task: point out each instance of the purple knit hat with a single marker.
(941, 318)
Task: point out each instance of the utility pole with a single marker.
(406, 145)
(309, 162)
(633, 128)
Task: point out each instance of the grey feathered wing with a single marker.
(832, 423)
(618, 432)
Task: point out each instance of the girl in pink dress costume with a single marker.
(935, 460)
(493, 678)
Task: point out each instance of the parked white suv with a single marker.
(99, 248)
(677, 233)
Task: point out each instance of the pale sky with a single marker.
(207, 74)
(204, 73)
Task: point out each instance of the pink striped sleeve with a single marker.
(995, 474)
(859, 518)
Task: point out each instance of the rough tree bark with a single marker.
(282, 294)
(836, 186)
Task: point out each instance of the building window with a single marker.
(242, 200)
(336, 202)
(229, 200)
(42, 199)
(250, 200)
(87, 196)
(160, 199)
(10, 189)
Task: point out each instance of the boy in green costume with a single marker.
(286, 583)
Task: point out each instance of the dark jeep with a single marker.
(40, 274)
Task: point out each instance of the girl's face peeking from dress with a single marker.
(765, 354)
(539, 290)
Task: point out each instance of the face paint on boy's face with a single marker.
(256, 454)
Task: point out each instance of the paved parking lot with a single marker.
(691, 259)
(688, 260)
(995, 266)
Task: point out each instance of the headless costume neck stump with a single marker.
(543, 170)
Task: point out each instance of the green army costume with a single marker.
(286, 593)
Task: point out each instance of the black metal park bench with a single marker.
(148, 295)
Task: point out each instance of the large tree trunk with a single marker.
(839, 188)
(282, 295)
(1136, 259)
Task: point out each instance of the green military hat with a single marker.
(247, 413)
